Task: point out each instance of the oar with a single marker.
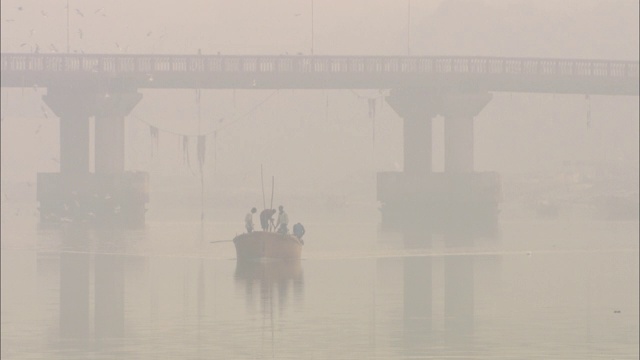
(220, 241)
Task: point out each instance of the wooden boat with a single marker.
(267, 245)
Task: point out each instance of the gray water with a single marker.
(534, 290)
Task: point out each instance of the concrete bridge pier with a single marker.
(459, 110)
(125, 193)
(74, 193)
(74, 129)
(445, 198)
(417, 109)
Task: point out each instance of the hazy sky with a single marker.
(329, 128)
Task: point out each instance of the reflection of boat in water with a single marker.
(276, 277)
(269, 271)
(267, 245)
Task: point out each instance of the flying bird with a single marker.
(19, 8)
(79, 12)
(44, 13)
(99, 10)
(23, 44)
(53, 47)
(149, 33)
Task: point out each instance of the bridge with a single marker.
(105, 86)
(323, 72)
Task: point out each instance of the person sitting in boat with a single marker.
(283, 221)
(298, 231)
(248, 220)
(266, 219)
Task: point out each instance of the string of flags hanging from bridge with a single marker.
(201, 138)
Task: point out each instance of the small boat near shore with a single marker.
(259, 245)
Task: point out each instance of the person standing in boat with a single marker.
(298, 231)
(266, 219)
(248, 220)
(283, 221)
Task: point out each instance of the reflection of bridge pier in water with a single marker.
(75, 270)
(421, 290)
(417, 290)
(109, 284)
(458, 287)
(421, 231)
(75, 283)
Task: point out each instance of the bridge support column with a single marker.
(70, 107)
(459, 111)
(420, 195)
(110, 193)
(109, 131)
(417, 108)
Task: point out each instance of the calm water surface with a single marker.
(536, 290)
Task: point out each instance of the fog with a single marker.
(567, 165)
(540, 130)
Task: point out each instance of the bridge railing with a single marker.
(116, 64)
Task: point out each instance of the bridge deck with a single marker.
(321, 72)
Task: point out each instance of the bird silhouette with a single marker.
(79, 12)
(44, 13)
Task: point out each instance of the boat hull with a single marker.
(267, 245)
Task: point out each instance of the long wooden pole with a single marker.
(264, 201)
(408, 27)
(272, 185)
(68, 49)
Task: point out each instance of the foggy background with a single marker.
(323, 146)
(538, 288)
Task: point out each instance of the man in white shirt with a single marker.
(283, 221)
(248, 220)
